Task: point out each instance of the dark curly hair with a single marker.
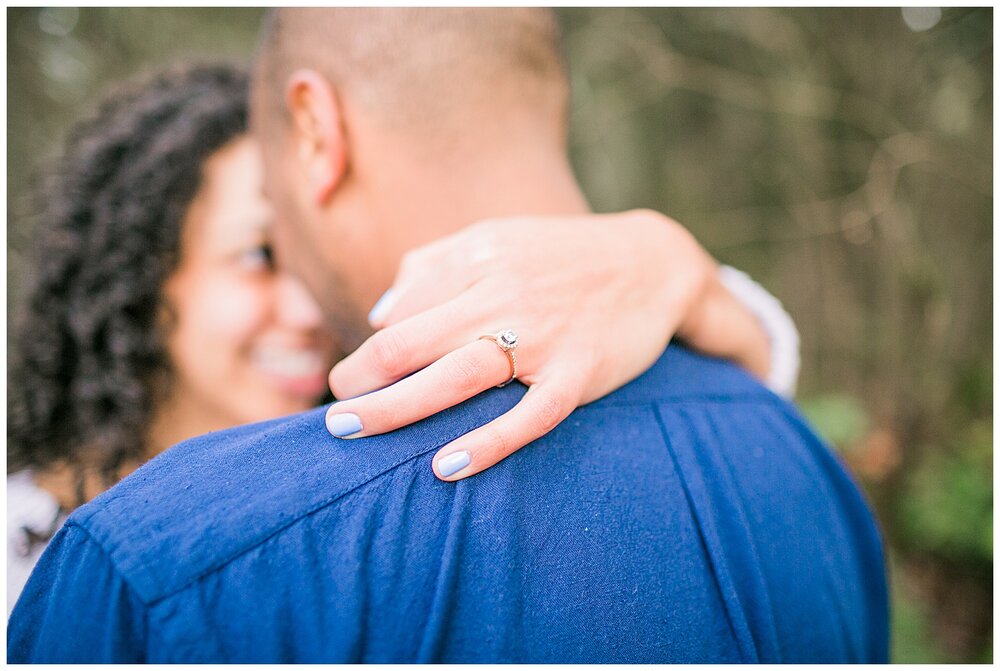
(89, 362)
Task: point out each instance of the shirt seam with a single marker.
(120, 575)
(750, 397)
(741, 644)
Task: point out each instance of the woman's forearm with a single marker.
(720, 325)
(739, 320)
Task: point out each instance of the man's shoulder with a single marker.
(206, 501)
(681, 375)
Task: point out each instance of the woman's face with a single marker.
(246, 342)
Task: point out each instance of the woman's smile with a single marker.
(297, 371)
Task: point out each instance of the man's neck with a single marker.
(440, 197)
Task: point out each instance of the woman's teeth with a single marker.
(290, 362)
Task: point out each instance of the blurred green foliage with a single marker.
(842, 157)
(839, 418)
(947, 504)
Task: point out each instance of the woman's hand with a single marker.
(594, 300)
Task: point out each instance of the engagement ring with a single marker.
(506, 340)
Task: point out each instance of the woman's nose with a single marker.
(296, 306)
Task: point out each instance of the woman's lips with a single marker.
(301, 372)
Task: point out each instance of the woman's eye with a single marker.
(260, 257)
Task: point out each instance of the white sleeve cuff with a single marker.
(780, 329)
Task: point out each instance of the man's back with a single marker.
(689, 516)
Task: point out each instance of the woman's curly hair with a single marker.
(89, 363)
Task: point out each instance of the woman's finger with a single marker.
(454, 378)
(398, 350)
(541, 410)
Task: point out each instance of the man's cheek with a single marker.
(288, 236)
(295, 254)
(282, 243)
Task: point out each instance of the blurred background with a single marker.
(842, 157)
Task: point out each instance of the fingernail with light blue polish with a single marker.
(453, 463)
(382, 307)
(343, 424)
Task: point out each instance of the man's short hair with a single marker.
(422, 68)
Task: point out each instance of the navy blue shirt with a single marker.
(689, 516)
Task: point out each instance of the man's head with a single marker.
(384, 129)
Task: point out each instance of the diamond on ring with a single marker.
(507, 339)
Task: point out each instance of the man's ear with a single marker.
(318, 137)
